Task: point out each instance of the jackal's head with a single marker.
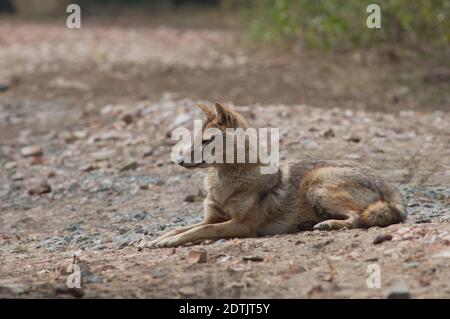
(211, 138)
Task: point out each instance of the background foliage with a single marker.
(342, 23)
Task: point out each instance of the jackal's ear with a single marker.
(224, 114)
(207, 110)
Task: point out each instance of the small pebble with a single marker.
(382, 238)
(196, 257)
(40, 188)
(31, 151)
(190, 198)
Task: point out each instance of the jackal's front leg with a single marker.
(228, 229)
(173, 233)
(212, 216)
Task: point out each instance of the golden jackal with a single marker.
(302, 195)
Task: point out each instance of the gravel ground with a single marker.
(86, 170)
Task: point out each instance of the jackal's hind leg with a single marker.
(337, 205)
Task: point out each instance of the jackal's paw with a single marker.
(143, 244)
(172, 241)
(323, 226)
(148, 244)
(334, 224)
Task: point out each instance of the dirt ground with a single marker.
(85, 123)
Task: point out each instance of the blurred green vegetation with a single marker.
(342, 23)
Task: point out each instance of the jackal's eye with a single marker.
(208, 140)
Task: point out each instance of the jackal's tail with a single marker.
(382, 213)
